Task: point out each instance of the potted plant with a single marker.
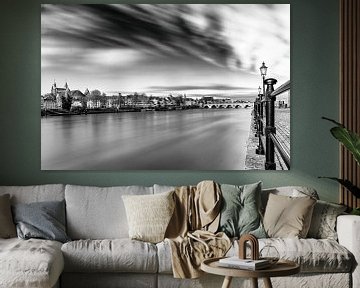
(351, 141)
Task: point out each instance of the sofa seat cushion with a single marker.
(115, 255)
(30, 263)
(313, 255)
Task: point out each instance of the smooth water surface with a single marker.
(204, 139)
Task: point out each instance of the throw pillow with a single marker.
(240, 213)
(288, 217)
(44, 220)
(149, 215)
(323, 222)
(7, 226)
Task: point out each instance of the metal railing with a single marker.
(276, 137)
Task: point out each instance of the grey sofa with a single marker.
(101, 254)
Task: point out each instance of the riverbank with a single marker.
(253, 161)
(61, 112)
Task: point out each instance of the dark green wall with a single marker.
(314, 76)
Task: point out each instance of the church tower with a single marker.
(67, 90)
(53, 89)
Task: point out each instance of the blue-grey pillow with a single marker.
(43, 220)
(240, 212)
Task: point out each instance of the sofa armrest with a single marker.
(348, 230)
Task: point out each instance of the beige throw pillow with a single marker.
(7, 226)
(288, 217)
(149, 215)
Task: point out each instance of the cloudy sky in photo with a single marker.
(197, 49)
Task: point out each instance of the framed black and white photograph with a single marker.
(165, 87)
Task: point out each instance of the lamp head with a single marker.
(263, 69)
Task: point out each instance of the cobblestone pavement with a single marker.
(282, 123)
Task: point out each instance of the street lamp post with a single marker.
(263, 70)
(270, 129)
(270, 125)
(260, 125)
(261, 110)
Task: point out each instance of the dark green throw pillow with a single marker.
(43, 220)
(240, 213)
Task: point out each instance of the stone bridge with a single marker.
(228, 105)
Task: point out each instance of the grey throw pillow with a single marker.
(240, 213)
(44, 220)
(323, 222)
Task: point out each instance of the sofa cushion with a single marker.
(313, 255)
(7, 226)
(98, 212)
(43, 220)
(287, 216)
(117, 255)
(240, 210)
(30, 263)
(149, 215)
(323, 222)
(164, 257)
(35, 193)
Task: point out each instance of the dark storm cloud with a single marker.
(151, 28)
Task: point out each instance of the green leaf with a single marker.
(355, 211)
(333, 121)
(348, 185)
(348, 138)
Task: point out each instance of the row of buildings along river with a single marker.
(64, 100)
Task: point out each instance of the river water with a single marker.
(204, 139)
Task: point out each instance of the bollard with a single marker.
(261, 113)
(256, 116)
(270, 124)
(259, 126)
(255, 111)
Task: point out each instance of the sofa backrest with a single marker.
(293, 191)
(98, 212)
(35, 193)
(162, 188)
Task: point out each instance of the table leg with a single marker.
(267, 283)
(227, 282)
(254, 282)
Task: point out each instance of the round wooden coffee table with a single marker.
(281, 268)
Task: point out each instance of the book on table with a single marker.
(249, 264)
